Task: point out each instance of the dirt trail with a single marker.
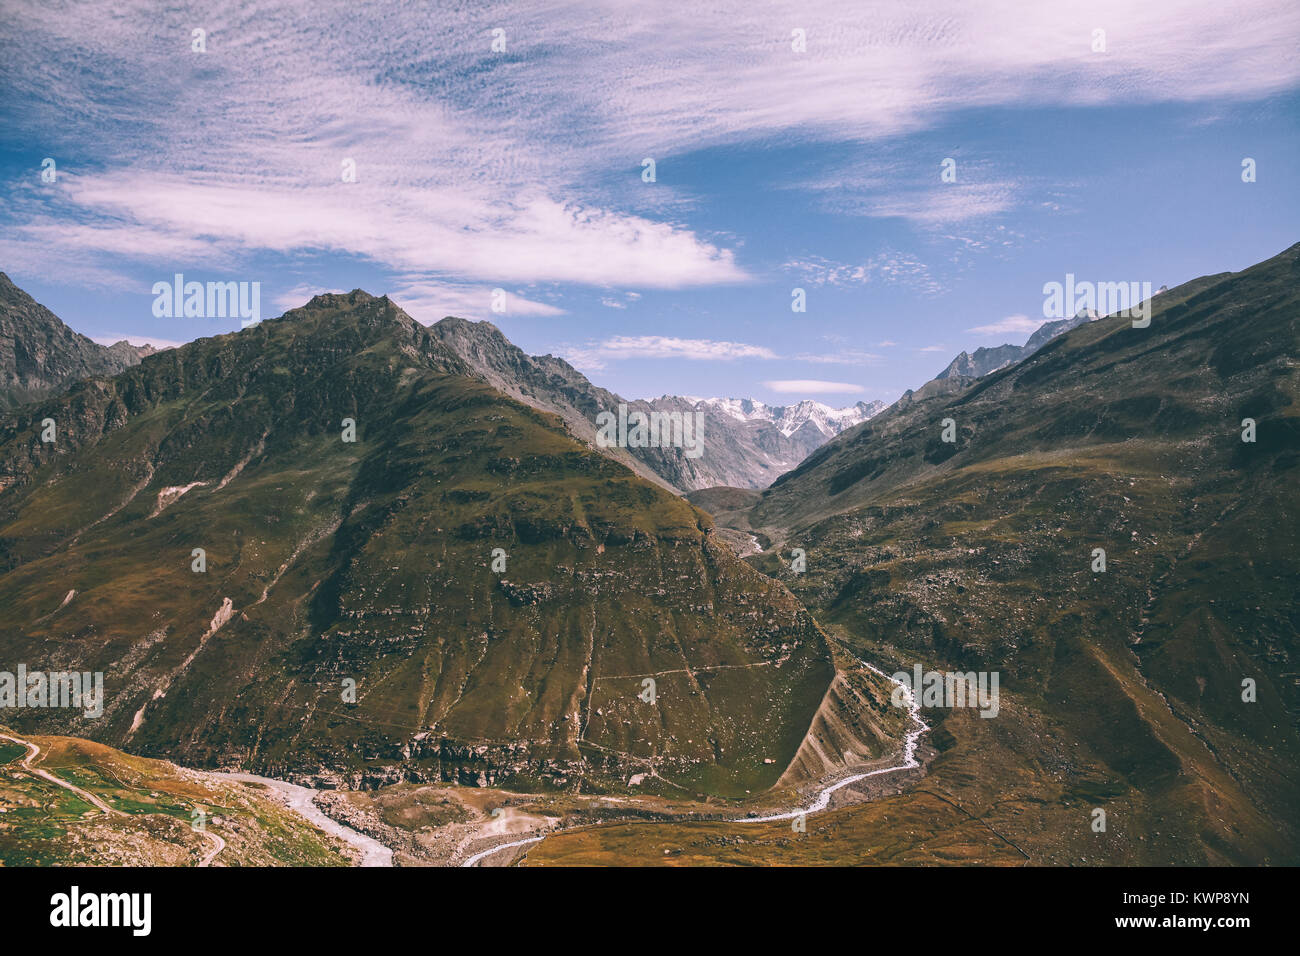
(32, 751)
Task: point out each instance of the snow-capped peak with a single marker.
(790, 418)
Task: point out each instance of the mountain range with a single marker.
(324, 545)
(349, 548)
(985, 360)
(746, 444)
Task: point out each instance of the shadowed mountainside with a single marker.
(1163, 691)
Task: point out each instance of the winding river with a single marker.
(823, 799)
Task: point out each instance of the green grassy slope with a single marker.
(371, 561)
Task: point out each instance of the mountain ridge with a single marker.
(41, 355)
(978, 554)
(741, 452)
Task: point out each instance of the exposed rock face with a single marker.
(813, 423)
(986, 360)
(39, 355)
(746, 444)
(542, 381)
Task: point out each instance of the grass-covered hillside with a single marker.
(371, 561)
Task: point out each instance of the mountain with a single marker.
(808, 424)
(1163, 689)
(39, 355)
(407, 575)
(986, 360)
(745, 444)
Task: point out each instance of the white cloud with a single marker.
(484, 168)
(843, 357)
(890, 267)
(886, 188)
(1011, 325)
(940, 206)
(812, 386)
(428, 301)
(427, 228)
(620, 347)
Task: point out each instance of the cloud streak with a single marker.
(1011, 325)
(622, 347)
(811, 386)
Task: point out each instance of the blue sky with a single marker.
(775, 168)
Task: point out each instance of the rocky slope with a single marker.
(1162, 689)
(355, 620)
(39, 355)
(808, 424)
(984, 360)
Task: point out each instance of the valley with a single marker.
(372, 601)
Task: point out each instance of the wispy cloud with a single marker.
(812, 386)
(491, 168)
(890, 266)
(430, 300)
(620, 347)
(844, 357)
(888, 188)
(1011, 325)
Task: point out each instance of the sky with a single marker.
(503, 146)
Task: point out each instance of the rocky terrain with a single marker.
(983, 360)
(40, 356)
(106, 808)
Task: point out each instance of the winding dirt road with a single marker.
(33, 751)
